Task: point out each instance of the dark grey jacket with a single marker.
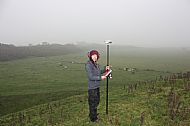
(94, 75)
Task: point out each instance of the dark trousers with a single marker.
(93, 101)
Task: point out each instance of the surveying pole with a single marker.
(107, 42)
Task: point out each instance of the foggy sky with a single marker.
(147, 23)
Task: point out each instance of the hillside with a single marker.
(11, 52)
(154, 103)
(52, 90)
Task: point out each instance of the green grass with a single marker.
(29, 82)
(30, 85)
(124, 109)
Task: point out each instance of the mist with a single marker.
(144, 23)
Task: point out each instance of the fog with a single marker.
(144, 23)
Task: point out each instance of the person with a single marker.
(94, 73)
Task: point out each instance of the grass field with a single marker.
(53, 90)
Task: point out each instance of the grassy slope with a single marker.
(124, 109)
(29, 82)
(44, 80)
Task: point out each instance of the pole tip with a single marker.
(108, 41)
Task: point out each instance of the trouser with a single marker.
(93, 101)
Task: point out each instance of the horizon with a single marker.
(87, 44)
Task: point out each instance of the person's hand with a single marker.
(103, 77)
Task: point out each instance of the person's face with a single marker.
(94, 57)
